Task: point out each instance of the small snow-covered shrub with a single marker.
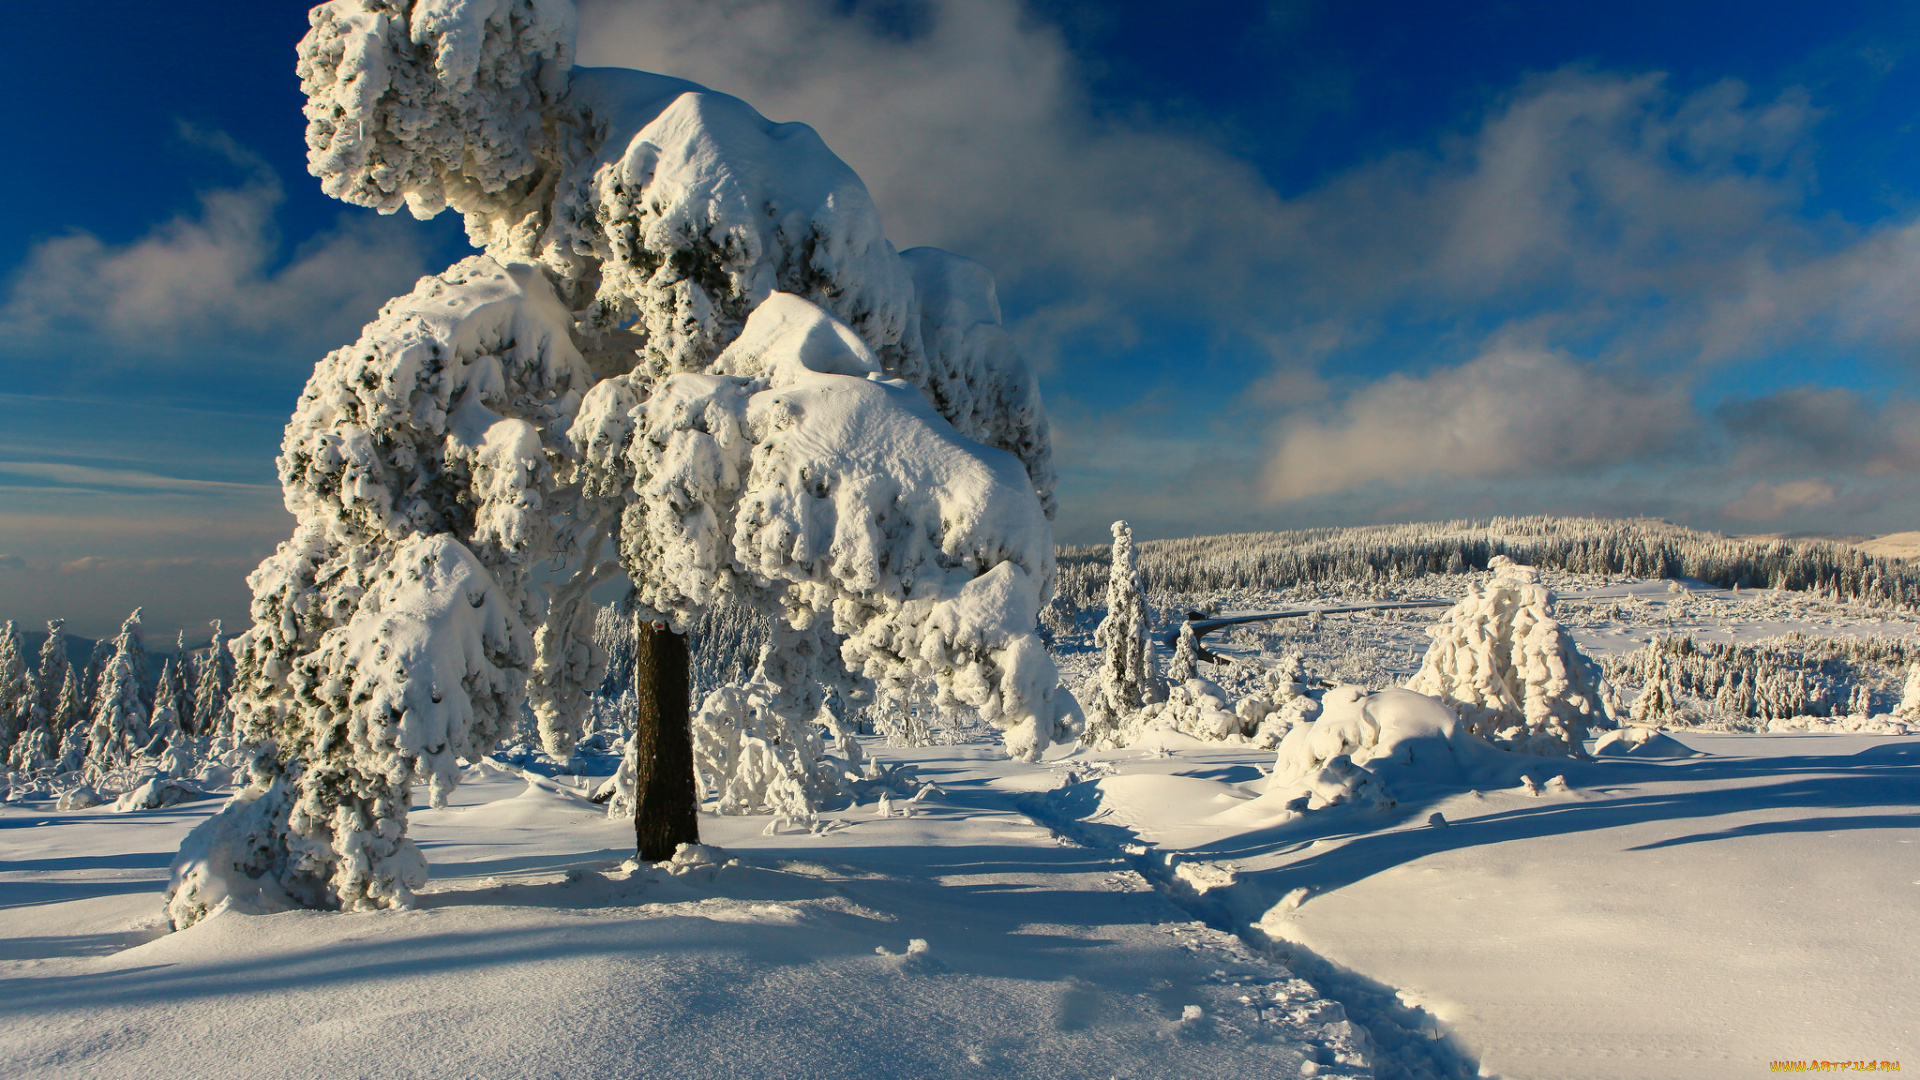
(1909, 707)
(1363, 743)
(156, 792)
(1512, 673)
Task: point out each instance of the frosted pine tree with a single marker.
(211, 718)
(17, 690)
(1501, 661)
(1909, 707)
(72, 725)
(1657, 701)
(54, 669)
(687, 353)
(1127, 678)
(1186, 656)
(119, 728)
(165, 739)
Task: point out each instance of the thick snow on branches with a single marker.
(1127, 679)
(1510, 671)
(688, 335)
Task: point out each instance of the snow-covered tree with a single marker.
(119, 709)
(54, 668)
(1511, 672)
(17, 690)
(72, 725)
(1909, 707)
(1125, 638)
(210, 713)
(1186, 656)
(687, 339)
(164, 724)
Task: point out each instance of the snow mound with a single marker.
(1846, 725)
(81, 797)
(1363, 745)
(156, 792)
(1644, 742)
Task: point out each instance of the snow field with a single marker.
(1644, 918)
(963, 940)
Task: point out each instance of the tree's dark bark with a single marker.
(666, 799)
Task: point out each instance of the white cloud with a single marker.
(90, 477)
(1769, 502)
(1513, 411)
(209, 278)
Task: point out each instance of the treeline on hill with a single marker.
(1379, 555)
(1682, 679)
(725, 642)
(122, 717)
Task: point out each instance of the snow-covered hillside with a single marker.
(1701, 901)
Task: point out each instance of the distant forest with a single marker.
(1380, 555)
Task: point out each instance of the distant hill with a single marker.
(1384, 554)
(1903, 545)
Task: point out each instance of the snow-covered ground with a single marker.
(962, 941)
(1128, 913)
(1699, 916)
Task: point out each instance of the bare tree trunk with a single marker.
(666, 799)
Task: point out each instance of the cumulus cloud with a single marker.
(974, 132)
(210, 277)
(1627, 230)
(1513, 411)
(1828, 427)
(1769, 502)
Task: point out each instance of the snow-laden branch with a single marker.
(800, 471)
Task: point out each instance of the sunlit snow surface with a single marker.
(1695, 916)
(1041, 959)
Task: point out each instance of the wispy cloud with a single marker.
(1509, 412)
(88, 477)
(210, 280)
(1770, 502)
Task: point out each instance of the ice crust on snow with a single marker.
(688, 334)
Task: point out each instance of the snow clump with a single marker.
(1510, 670)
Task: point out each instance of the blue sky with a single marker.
(1280, 264)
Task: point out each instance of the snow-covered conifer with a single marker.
(54, 668)
(1125, 640)
(1186, 656)
(16, 687)
(1512, 673)
(72, 725)
(210, 713)
(1655, 703)
(687, 341)
(35, 752)
(164, 725)
(119, 710)
(1909, 707)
